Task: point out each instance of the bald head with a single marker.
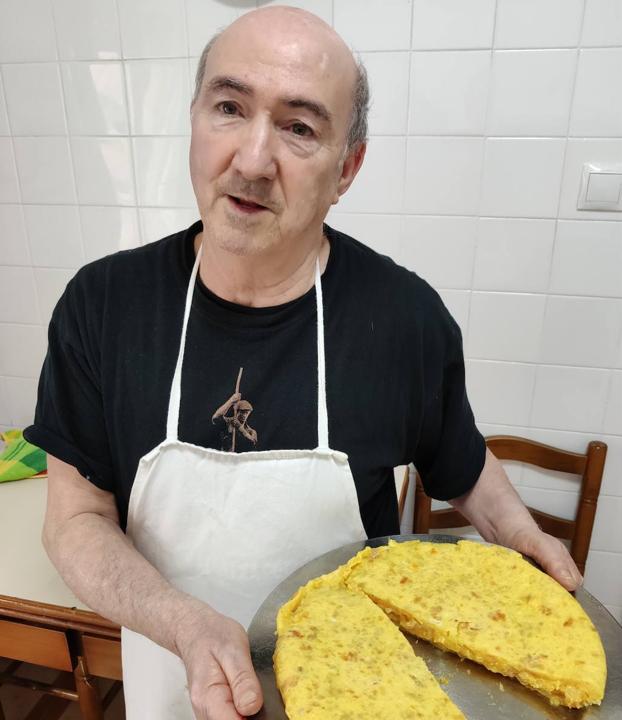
(302, 40)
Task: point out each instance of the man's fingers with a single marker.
(553, 556)
(245, 687)
(211, 697)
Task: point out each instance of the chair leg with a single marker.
(88, 695)
(2, 717)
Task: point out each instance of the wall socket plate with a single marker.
(601, 187)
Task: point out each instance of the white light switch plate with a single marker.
(601, 187)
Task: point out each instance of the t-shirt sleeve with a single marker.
(69, 418)
(451, 451)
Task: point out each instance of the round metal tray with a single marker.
(479, 693)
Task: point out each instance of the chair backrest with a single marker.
(589, 466)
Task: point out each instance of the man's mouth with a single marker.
(245, 205)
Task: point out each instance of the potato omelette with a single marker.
(339, 656)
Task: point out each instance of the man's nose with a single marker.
(254, 158)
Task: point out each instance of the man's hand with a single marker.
(548, 552)
(496, 511)
(221, 679)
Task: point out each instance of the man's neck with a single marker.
(259, 281)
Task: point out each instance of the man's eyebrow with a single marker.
(224, 82)
(313, 106)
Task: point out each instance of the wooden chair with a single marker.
(589, 466)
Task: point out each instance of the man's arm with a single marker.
(99, 563)
(496, 511)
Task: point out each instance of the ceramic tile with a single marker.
(162, 173)
(207, 17)
(388, 80)
(34, 99)
(538, 23)
(103, 169)
(500, 392)
(579, 152)
(429, 241)
(51, 284)
(531, 189)
(13, 242)
(54, 235)
(613, 414)
(603, 576)
(21, 396)
(87, 29)
(443, 175)
(612, 477)
(18, 302)
(531, 92)
(373, 25)
(588, 258)
(26, 31)
(445, 24)
(382, 233)
(581, 331)
(95, 98)
(448, 92)
(569, 398)
(106, 230)
(9, 186)
(45, 182)
(157, 223)
(22, 349)
(159, 97)
(553, 502)
(597, 107)
(458, 303)
(321, 8)
(513, 254)
(505, 326)
(602, 23)
(379, 186)
(4, 118)
(152, 28)
(5, 415)
(607, 532)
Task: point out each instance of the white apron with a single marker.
(228, 527)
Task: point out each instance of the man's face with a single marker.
(269, 134)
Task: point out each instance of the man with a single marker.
(337, 344)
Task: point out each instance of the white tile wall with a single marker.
(505, 326)
(598, 111)
(442, 175)
(87, 29)
(483, 114)
(95, 98)
(34, 99)
(538, 23)
(448, 24)
(530, 92)
(438, 103)
(513, 254)
(587, 258)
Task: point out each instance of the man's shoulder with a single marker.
(380, 276)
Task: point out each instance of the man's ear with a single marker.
(351, 166)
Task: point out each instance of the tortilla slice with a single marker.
(339, 657)
(488, 604)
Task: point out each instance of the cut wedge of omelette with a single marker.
(488, 604)
(339, 657)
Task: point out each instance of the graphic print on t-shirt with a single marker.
(237, 420)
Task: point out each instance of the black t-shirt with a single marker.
(394, 373)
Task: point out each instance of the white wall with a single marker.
(483, 114)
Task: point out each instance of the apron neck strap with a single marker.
(172, 421)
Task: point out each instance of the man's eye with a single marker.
(301, 129)
(227, 108)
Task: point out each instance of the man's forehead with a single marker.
(282, 46)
